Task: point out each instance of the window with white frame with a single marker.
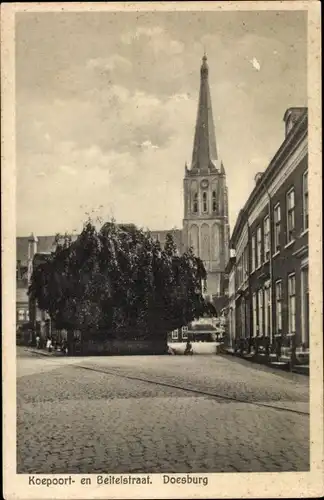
(174, 335)
(204, 202)
(267, 310)
(305, 305)
(260, 310)
(243, 319)
(21, 315)
(254, 314)
(259, 247)
(278, 307)
(246, 262)
(292, 304)
(239, 272)
(290, 215)
(266, 238)
(253, 252)
(277, 227)
(305, 200)
(242, 268)
(27, 315)
(184, 332)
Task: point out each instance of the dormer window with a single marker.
(204, 202)
(195, 203)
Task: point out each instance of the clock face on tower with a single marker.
(204, 183)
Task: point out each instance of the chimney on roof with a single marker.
(258, 177)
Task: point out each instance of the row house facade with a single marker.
(270, 239)
(230, 309)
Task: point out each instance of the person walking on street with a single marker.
(49, 345)
(64, 347)
(188, 349)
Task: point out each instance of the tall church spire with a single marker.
(204, 155)
(205, 222)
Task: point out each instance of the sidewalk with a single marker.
(43, 352)
(260, 359)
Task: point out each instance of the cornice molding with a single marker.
(278, 181)
(242, 241)
(295, 137)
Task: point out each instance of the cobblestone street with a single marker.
(158, 414)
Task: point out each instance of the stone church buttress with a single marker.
(205, 223)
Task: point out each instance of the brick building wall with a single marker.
(292, 258)
(276, 215)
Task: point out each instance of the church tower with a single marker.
(205, 224)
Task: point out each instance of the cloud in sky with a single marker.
(114, 62)
(255, 63)
(106, 109)
(158, 39)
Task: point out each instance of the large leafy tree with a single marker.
(119, 281)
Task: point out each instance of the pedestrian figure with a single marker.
(188, 349)
(64, 347)
(49, 345)
(38, 342)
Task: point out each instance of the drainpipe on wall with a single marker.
(271, 276)
(249, 287)
(270, 261)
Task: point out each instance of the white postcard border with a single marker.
(237, 485)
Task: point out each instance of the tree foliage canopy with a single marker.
(120, 281)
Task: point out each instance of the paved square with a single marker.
(105, 415)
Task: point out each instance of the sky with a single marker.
(106, 105)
